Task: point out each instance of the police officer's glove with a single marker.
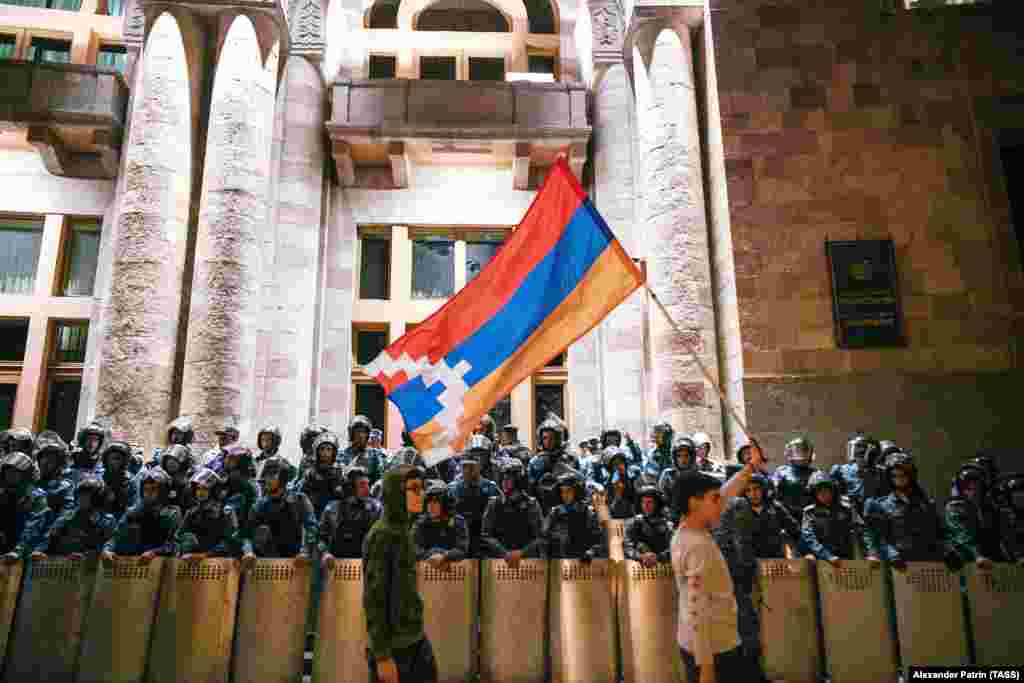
(327, 562)
(11, 558)
(248, 560)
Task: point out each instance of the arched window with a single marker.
(462, 15)
(384, 14)
(541, 16)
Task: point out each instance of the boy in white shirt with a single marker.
(707, 633)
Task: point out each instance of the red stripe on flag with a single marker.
(538, 232)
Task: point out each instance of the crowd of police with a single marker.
(497, 499)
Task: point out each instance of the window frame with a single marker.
(46, 35)
(383, 235)
(380, 55)
(64, 257)
(42, 237)
(358, 327)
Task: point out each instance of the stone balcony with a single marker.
(74, 113)
(384, 123)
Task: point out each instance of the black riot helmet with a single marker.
(515, 470)
(20, 440)
(611, 437)
(439, 492)
(649, 491)
(800, 451)
(573, 480)
(308, 436)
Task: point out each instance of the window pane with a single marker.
(371, 402)
(49, 51)
(486, 69)
(433, 268)
(557, 362)
(478, 255)
(113, 56)
(25, 3)
(541, 64)
(383, 66)
(19, 254)
(83, 253)
(69, 342)
(115, 8)
(7, 45)
(7, 394)
(548, 398)
(13, 338)
(437, 68)
(62, 410)
(369, 344)
(501, 413)
(374, 269)
(66, 5)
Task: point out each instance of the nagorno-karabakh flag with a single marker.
(556, 277)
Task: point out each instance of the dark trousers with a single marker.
(730, 666)
(415, 663)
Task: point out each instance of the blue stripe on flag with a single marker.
(546, 286)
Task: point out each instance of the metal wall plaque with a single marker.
(865, 300)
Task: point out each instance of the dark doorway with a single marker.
(437, 68)
(1013, 170)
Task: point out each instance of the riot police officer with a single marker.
(227, 435)
(359, 452)
(620, 479)
(471, 492)
(1010, 494)
(857, 478)
(649, 534)
(177, 462)
(268, 443)
(613, 437)
(572, 530)
(702, 442)
(239, 490)
(972, 521)
(282, 522)
(119, 491)
(52, 459)
(85, 457)
(210, 528)
(659, 458)
(147, 528)
(905, 523)
(306, 438)
(22, 505)
(512, 523)
(20, 440)
(551, 457)
(508, 436)
(345, 523)
(441, 534)
(831, 527)
(82, 530)
(684, 459)
(790, 480)
(324, 482)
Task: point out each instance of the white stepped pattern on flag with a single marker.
(455, 389)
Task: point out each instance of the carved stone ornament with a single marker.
(607, 23)
(134, 22)
(307, 26)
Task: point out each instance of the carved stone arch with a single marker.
(514, 11)
(371, 9)
(556, 16)
(194, 33)
(270, 33)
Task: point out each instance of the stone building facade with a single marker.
(273, 191)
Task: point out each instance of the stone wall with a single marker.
(840, 122)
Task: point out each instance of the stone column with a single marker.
(220, 354)
(674, 218)
(291, 251)
(139, 320)
(334, 381)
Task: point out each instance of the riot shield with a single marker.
(616, 534)
(513, 609)
(648, 616)
(10, 587)
(195, 622)
(271, 639)
(48, 627)
(997, 601)
(341, 644)
(582, 622)
(929, 615)
(449, 615)
(116, 638)
(855, 609)
(789, 620)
